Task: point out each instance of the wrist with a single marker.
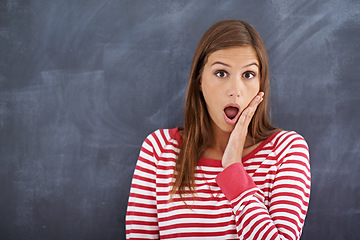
(228, 164)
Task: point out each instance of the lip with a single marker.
(234, 120)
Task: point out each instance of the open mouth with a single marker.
(231, 112)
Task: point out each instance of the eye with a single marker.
(221, 73)
(248, 75)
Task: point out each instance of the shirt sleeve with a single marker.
(141, 215)
(284, 216)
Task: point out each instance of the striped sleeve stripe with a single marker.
(139, 215)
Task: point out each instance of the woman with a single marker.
(229, 174)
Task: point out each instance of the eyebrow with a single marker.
(251, 64)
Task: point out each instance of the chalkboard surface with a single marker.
(82, 83)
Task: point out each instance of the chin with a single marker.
(226, 127)
(222, 126)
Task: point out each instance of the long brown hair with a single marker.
(197, 134)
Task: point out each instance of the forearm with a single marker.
(283, 218)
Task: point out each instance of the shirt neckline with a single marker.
(217, 163)
(258, 148)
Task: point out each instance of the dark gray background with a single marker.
(82, 83)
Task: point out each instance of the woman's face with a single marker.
(229, 81)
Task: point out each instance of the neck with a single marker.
(221, 139)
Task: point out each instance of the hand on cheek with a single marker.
(235, 146)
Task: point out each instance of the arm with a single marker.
(288, 200)
(141, 215)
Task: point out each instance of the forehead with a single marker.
(238, 55)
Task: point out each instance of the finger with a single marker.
(249, 111)
(243, 118)
(248, 114)
(256, 100)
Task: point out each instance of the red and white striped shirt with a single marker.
(264, 197)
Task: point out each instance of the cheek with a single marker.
(209, 101)
(209, 92)
(252, 90)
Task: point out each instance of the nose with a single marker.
(234, 88)
(235, 94)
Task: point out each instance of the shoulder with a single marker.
(163, 139)
(288, 138)
(287, 143)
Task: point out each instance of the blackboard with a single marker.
(82, 83)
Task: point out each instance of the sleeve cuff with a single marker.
(234, 180)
